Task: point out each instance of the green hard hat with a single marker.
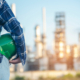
(7, 46)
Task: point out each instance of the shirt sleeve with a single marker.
(11, 24)
(0, 29)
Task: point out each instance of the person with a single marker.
(9, 22)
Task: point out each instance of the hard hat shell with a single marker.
(7, 46)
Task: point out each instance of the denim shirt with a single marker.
(11, 24)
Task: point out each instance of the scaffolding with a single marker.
(60, 40)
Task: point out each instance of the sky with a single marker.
(29, 14)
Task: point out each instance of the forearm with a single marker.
(18, 36)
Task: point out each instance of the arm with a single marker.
(11, 24)
(0, 30)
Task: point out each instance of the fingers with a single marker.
(15, 61)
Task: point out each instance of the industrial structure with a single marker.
(65, 57)
(77, 56)
(60, 40)
(40, 59)
(40, 41)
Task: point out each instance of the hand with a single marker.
(15, 61)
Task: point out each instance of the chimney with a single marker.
(79, 45)
(37, 30)
(44, 21)
(38, 35)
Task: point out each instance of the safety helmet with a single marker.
(7, 46)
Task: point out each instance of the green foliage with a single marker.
(41, 78)
(78, 75)
(65, 77)
(19, 78)
(47, 78)
(68, 76)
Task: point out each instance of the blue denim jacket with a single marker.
(11, 24)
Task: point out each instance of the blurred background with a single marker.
(52, 35)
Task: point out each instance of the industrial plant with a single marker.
(65, 57)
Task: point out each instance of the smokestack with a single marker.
(79, 45)
(38, 35)
(44, 21)
(13, 7)
(37, 30)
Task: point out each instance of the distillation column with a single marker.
(38, 43)
(44, 33)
